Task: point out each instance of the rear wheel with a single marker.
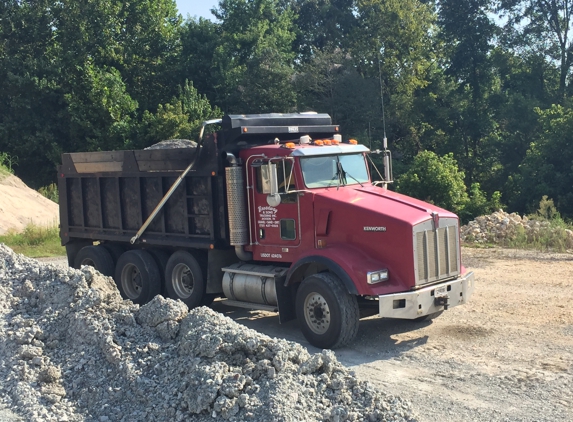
(137, 276)
(184, 279)
(328, 315)
(97, 257)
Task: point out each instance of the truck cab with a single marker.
(296, 225)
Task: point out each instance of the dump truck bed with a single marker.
(109, 195)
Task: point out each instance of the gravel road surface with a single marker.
(505, 356)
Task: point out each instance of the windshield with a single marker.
(334, 170)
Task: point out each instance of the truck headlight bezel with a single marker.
(375, 277)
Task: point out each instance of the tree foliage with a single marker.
(477, 108)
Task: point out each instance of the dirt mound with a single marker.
(20, 206)
(71, 350)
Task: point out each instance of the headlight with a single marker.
(377, 276)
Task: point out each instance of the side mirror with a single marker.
(270, 184)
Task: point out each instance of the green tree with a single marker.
(436, 180)
(392, 43)
(543, 26)
(180, 118)
(199, 41)
(322, 25)
(31, 107)
(468, 33)
(548, 166)
(254, 59)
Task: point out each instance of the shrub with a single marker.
(50, 192)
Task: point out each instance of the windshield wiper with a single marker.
(355, 179)
(341, 173)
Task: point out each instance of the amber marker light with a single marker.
(319, 142)
(245, 130)
(353, 141)
(327, 142)
(290, 145)
(336, 128)
(212, 173)
(335, 142)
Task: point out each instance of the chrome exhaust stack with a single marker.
(238, 229)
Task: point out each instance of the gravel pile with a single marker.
(174, 143)
(72, 350)
(501, 226)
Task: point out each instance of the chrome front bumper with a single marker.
(418, 303)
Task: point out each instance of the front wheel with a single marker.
(328, 315)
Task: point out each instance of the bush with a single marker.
(50, 192)
(7, 162)
(436, 180)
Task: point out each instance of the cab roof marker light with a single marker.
(290, 145)
(319, 142)
(353, 141)
(327, 142)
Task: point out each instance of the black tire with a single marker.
(184, 279)
(428, 317)
(115, 250)
(97, 257)
(161, 259)
(328, 315)
(137, 276)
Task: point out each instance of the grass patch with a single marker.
(551, 235)
(35, 241)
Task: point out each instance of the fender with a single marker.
(299, 268)
(347, 262)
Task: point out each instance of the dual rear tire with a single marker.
(140, 275)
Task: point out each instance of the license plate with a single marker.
(441, 291)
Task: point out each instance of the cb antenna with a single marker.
(385, 141)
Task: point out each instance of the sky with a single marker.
(199, 8)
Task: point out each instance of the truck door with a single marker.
(275, 218)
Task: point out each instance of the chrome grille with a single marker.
(436, 251)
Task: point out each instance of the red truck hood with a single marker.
(378, 223)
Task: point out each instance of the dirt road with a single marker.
(505, 356)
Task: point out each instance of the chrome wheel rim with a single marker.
(131, 281)
(316, 313)
(182, 281)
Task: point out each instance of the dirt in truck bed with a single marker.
(507, 355)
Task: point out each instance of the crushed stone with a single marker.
(72, 350)
(174, 143)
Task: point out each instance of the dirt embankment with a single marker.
(20, 206)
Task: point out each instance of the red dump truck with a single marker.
(272, 212)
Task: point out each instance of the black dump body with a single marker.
(107, 196)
